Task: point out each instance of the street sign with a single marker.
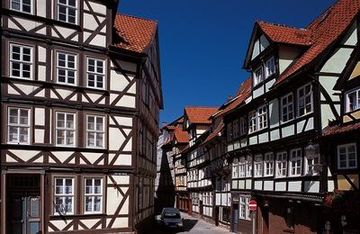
(252, 205)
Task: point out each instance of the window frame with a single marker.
(269, 164)
(73, 194)
(267, 62)
(347, 100)
(281, 164)
(65, 128)
(95, 131)
(66, 68)
(67, 6)
(248, 166)
(286, 107)
(296, 162)
(244, 204)
(347, 167)
(252, 121)
(310, 94)
(95, 73)
(18, 125)
(258, 166)
(22, 7)
(21, 62)
(262, 119)
(258, 78)
(93, 178)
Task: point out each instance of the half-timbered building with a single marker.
(274, 132)
(199, 185)
(80, 98)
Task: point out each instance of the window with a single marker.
(252, 122)
(65, 129)
(236, 128)
(295, 162)
(242, 167)
(67, 11)
(281, 164)
(352, 102)
(262, 117)
(64, 196)
(225, 214)
(269, 164)
(243, 127)
(305, 102)
(235, 169)
(66, 68)
(287, 108)
(19, 125)
(20, 61)
(93, 195)
(96, 73)
(258, 76)
(229, 131)
(248, 166)
(270, 67)
(347, 156)
(21, 5)
(258, 166)
(95, 131)
(244, 212)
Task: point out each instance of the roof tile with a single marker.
(200, 115)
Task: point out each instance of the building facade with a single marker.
(78, 142)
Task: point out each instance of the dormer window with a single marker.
(270, 68)
(352, 102)
(258, 76)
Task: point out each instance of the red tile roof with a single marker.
(325, 30)
(285, 34)
(341, 129)
(200, 115)
(243, 93)
(214, 133)
(181, 136)
(136, 33)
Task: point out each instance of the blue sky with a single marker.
(203, 43)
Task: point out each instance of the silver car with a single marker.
(171, 218)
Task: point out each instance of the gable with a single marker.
(260, 44)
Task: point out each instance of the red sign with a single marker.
(252, 205)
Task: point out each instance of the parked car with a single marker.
(170, 218)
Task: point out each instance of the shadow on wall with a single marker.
(165, 194)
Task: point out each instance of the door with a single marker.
(25, 215)
(235, 217)
(216, 215)
(201, 207)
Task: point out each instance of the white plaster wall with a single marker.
(337, 62)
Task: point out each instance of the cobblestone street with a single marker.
(191, 225)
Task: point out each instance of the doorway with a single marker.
(23, 204)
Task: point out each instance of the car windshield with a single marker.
(172, 215)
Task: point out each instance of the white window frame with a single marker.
(268, 63)
(262, 118)
(95, 73)
(21, 61)
(19, 125)
(65, 195)
(303, 99)
(258, 75)
(348, 107)
(235, 169)
(65, 128)
(347, 161)
(21, 3)
(66, 68)
(253, 121)
(67, 6)
(258, 165)
(249, 166)
(281, 164)
(93, 195)
(242, 167)
(244, 208)
(287, 108)
(295, 162)
(95, 131)
(269, 164)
